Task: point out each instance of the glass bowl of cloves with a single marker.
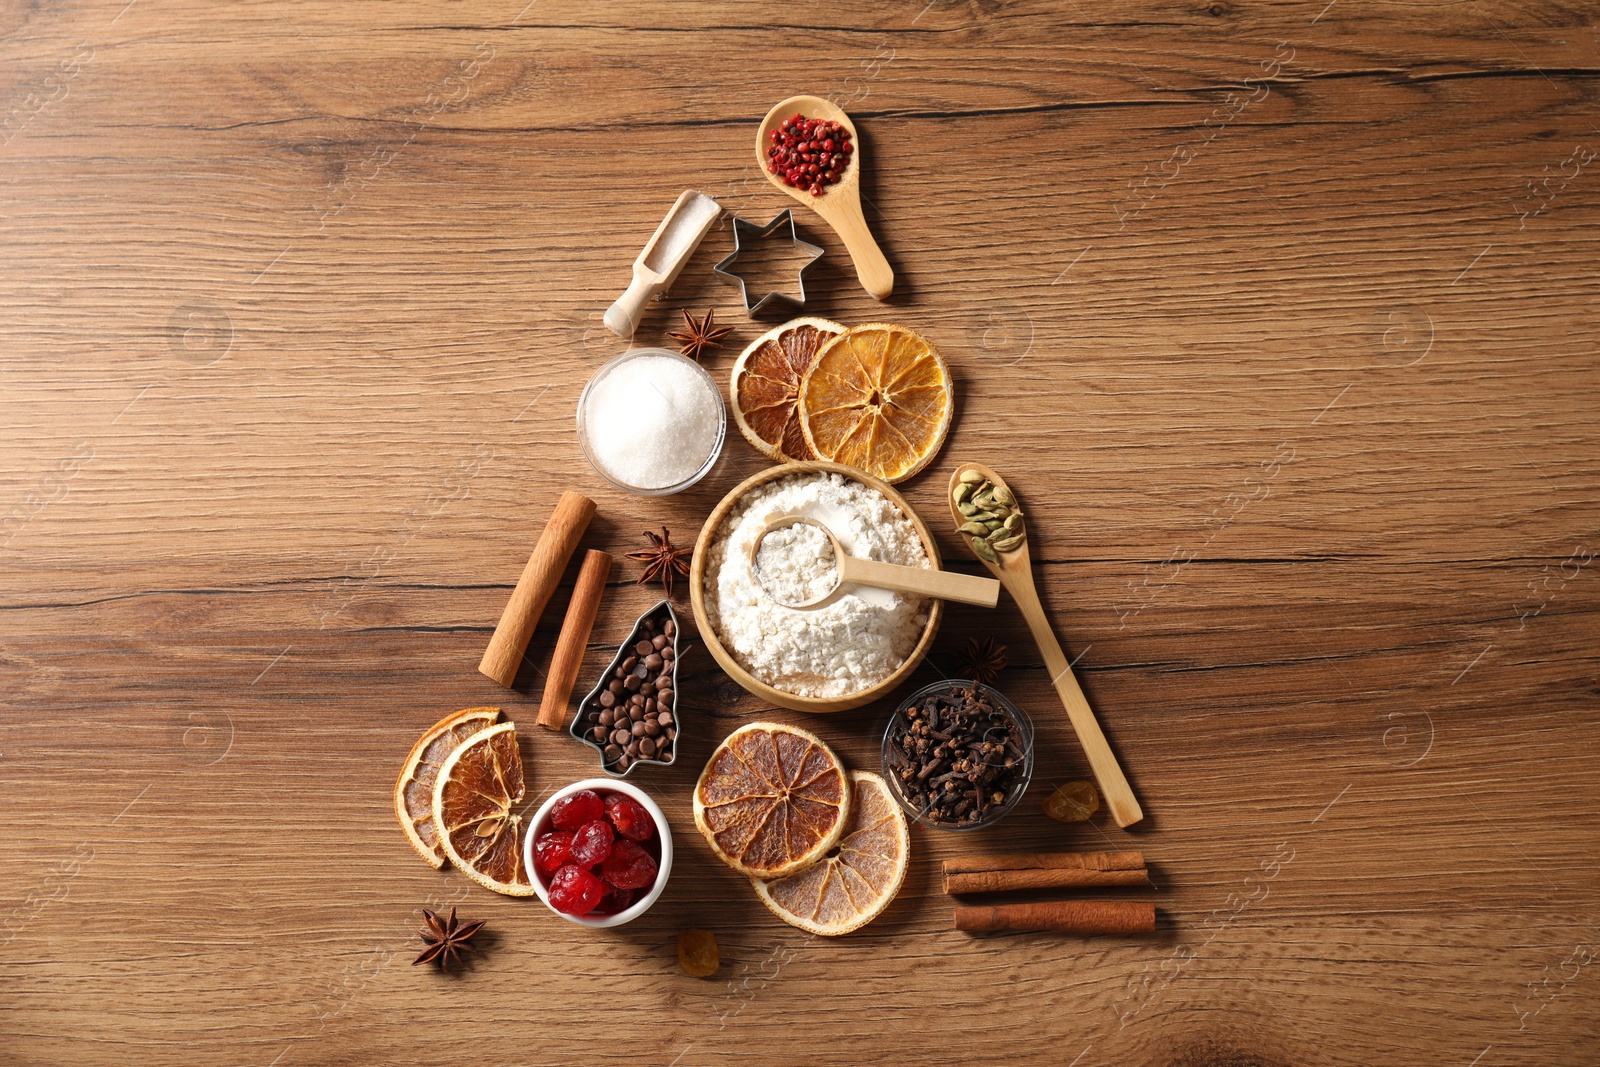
(958, 755)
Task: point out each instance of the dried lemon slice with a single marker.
(858, 878)
(479, 784)
(413, 789)
(765, 385)
(772, 800)
(878, 398)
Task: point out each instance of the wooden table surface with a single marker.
(1280, 317)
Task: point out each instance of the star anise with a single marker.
(447, 939)
(983, 660)
(699, 336)
(662, 562)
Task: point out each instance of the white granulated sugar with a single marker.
(652, 421)
(795, 564)
(850, 642)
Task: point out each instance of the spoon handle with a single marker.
(945, 585)
(1114, 785)
(872, 269)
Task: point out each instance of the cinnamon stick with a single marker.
(1038, 878)
(539, 579)
(568, 657)
(1065, 917)
(1081, 861)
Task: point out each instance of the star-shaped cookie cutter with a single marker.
(745, 231)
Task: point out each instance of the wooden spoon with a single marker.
(840, 204)
(1015, 571)
(923, 581)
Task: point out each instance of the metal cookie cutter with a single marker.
(745, 231)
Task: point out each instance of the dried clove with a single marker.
(954, 756)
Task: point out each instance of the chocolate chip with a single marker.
(614, 687)
(651, 708)
(647, 748)
(638, 729)
(606, 718)
(631, 683)
(627, 666)
(664, 698)
(669, 628)
(665, 719)
(620, 736)
(641, 672)
(652, 729)
(660, 641)
(624, 762)
(612, 752)
(599, 734)
(636, 713)
(607, 698)
(644, 648)
(653, 661)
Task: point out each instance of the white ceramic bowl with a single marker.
(541, 825)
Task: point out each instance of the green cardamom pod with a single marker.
(963, 491)
(1014, 521)
(976, 529)
(1006, 544)
(971, 477)
(991, 526)
(981, 547)
(968, 510)
(1002, 494)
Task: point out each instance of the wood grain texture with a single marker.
(1278, 317)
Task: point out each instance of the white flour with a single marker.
(795, 564)
(853, 640)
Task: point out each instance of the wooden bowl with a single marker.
(771, 694)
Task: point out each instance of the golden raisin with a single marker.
(1073, 802)
(697, 953)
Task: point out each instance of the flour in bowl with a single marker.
(854, 639)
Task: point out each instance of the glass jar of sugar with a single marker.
(652, 422)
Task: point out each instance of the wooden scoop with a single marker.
(840, 204)
(923, 581)
(663, 257)
(1015, 571)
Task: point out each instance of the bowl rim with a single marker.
(594, 694)
(663, 830)
(713, 642)
(1027, 753)
(583, 433)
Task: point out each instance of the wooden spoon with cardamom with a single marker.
(1014, 567)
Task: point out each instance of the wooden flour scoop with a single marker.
(848, 569)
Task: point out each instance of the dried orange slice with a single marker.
(413, 790)
(878, 398)
(772, 800)
(858, 877)
(479, 785)
(766, 385)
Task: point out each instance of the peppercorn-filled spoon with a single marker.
(854, 570)
(839, 204)
(988, 518)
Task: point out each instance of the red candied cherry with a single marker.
(552, 852)
(629, 867)
(574, 891)
(572, 812)
(630, 818)
(613, 899)
(592, 844)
